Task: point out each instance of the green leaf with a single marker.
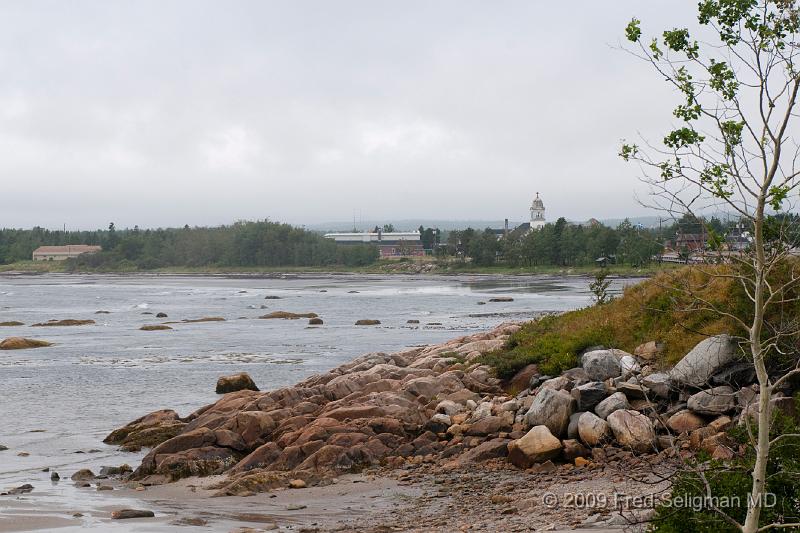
(633, 31)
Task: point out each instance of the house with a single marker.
(60, 253)
(390, 244)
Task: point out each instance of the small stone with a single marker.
(582, 461)
(54, 476)
(297, 484)
(295, 507)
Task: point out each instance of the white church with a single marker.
(537, 213)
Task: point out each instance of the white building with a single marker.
(537, 213)
(390, 244)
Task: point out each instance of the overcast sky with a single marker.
(167, 113)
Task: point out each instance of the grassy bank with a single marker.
(659, 309)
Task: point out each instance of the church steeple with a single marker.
(537, 213)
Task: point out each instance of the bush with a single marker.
(732, 481)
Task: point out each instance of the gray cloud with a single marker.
(166, 113)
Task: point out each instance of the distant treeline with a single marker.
(565, 244)
(244, 244)
(557, 244)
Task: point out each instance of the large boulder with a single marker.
(613, 403)
(236, 382)
(601, 365)
(589, 394)
(536, 446)
(551, 408)
(632, 430)
(714, 401)
(705, 359)
(593, 430)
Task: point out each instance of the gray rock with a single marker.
(589, 394)
(449, 407)
(613, 403)
(601, 365)
(559, 383)
(551, 408)
(629, 365)
(736, 375)
(572, 428)
(592, 429)
(705, 359)
(658, 383)
(714, 401)
(632, 391)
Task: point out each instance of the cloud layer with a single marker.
(190, 112)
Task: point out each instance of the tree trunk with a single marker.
(764, 418)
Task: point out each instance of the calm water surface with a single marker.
(58, 403)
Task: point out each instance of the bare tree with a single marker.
(734, 152)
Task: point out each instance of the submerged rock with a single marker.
(67, 322)
(22, 343)
(236, 382)
(316, 321)
(367, 322)
(125, 514)
(154, 327)
(287, 315)
(10, 324)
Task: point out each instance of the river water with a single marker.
(58, 403)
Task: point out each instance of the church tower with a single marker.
(537, 213)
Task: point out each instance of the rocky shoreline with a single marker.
(434, 414)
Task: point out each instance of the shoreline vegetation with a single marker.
(415, 266)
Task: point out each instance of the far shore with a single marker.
(386, 268)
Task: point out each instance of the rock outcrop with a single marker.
(438, 404)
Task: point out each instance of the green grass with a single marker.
(657, 309)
